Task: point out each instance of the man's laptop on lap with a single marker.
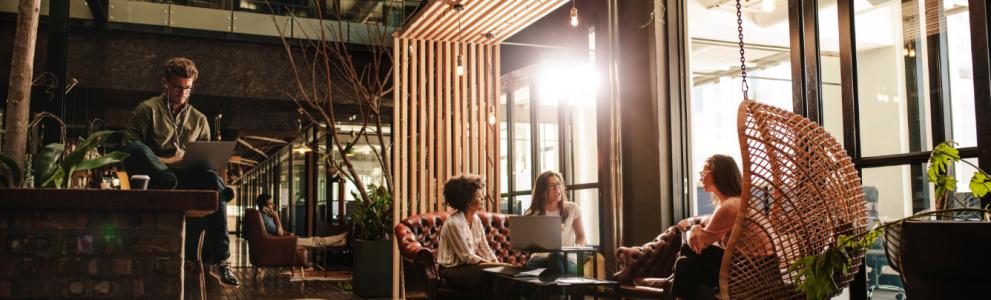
(207, 155)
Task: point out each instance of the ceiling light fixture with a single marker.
(460, 69)
(767, 6)
(574, 14)
(301, 148)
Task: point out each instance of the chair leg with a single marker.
(199, 264)
(302, 281)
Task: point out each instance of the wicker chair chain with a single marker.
(743, 61)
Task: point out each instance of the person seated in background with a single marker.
(697, 267)
(463, 251)
(549, 200)
(273, 225)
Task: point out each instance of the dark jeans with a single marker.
(555, 261)
(216, 243)
(693, 271)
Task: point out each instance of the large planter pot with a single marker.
(372, 268)
(945, 259)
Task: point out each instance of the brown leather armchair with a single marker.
(265, 250)
(417, 240)
(644, 271)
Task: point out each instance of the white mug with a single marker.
(140, 182)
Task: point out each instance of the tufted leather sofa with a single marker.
(645, 271)
(417, 238)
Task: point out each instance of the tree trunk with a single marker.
(19, 91)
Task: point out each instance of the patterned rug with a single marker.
(319, 275)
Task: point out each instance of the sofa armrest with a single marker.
(421, 273)
(424, 256)
(652, 259)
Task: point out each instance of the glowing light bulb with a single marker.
(574, 17)
(767, 6)
(492, 118)
(460, 70)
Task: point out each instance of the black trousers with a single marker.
(468, 278)
(216, 243)
(693, 270)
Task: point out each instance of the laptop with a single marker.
(535, 233)
(210, 155)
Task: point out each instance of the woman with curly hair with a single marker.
(462, 250)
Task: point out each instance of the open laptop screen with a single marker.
(535, 232)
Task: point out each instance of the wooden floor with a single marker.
(270, 286)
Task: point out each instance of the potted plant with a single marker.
(52, 166)
(818, 271)
(373, 221)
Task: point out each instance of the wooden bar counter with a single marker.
(107, 244)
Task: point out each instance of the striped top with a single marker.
(461, 245)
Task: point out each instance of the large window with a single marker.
(716, 82)
(913, 59)
(915, 89)
(546, 122)
(322, 199)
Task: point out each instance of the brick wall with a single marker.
(97, 254)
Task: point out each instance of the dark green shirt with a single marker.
(153, 124)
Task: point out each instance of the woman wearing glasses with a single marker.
(549, 200)
(697, 269)
(463, 250)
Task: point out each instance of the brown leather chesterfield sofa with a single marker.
(417, 238)
(644, 270)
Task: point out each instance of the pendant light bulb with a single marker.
(574, 16)
(767, 6)
(460, 70)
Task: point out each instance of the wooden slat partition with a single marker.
(444, 122)
(436, 21)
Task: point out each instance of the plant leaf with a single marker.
(979, 184)
(56, 178)
(941, 157)
(113, 157)
(77, 155)
(15, 170)
(947, 150)
(46, 162)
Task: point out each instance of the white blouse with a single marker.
(461, 245)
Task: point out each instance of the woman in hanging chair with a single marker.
(696, 271)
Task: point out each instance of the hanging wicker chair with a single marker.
(801, 192)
